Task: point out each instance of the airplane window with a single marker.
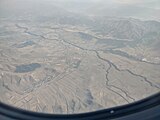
(77, 56)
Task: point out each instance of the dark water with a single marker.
(27, 67)
(77, 64)
(112, 42)
(85, 36)
(118, 43)
(89, 97)
(124, 54)
(25, 44)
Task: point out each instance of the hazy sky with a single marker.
(134, 8)
(156, 2)
(146, 3)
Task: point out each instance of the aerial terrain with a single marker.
(54, 60)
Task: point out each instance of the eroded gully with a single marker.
(127, 97)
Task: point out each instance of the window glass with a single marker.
(76, 56)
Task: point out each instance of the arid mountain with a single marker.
(58, 59)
